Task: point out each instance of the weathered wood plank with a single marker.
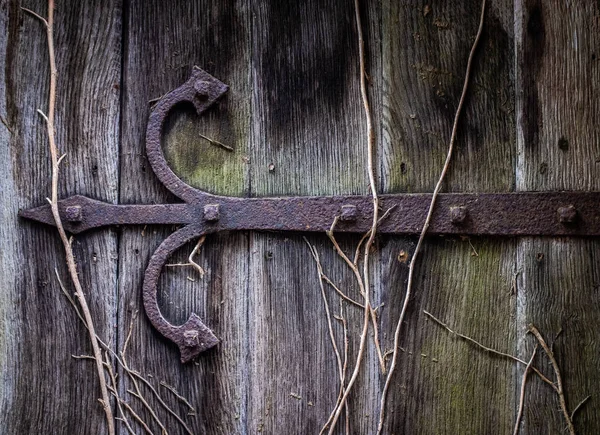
(164, 40)
(444, 385)
(42, 388)
(558, 144)
(309, 139)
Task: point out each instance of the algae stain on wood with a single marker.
(473, 300)
(201, 163)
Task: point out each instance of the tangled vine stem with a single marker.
(53, 200)
(438, 187)
(559, 384)
(522, 395)
(363, 281)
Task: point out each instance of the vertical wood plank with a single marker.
(309, 138)
(42, 388)
(444, 385)
(164, 40)
(558, 136)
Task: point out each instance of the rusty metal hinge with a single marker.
(493, 214)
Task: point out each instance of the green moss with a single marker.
(205, 165)
(468, 389)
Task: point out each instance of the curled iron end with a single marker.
(193, 338)
(202, 90)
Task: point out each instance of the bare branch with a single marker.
(191, 261)
(489, 349)
(178, 396)
(559, 384)
(216, 142)
(162, 402)
(579, 406)
(522, 395)
(70, 259)
(436, 191)
(39, 17)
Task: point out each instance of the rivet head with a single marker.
(202, 87)
(191, 337)
(349, 213)
(73, 213)
(567, 214)
(211, 212)
(458, 214)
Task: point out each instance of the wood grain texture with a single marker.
(164, 40)
(42, 388)
(557, 110)
(293, 116)
(439, 379)
(309, 125)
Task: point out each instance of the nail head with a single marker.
(458, 214)
(567, 214)
(73, 213)
(211, 212)
(349, 213)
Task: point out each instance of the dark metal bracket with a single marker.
(490, 214)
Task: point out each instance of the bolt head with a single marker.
(191, 337)
(73, 213)
(349, 213)
(211, 212)
(202, 88)
(567, 214)
(458, 214)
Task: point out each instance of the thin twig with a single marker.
(368, 311)
(137, 417)
(178, 396)
(129, 332)
(113, 381)
(191, 261)
(438, 187)
(132, 376)
(368, 233)
(489, 349)
(5, 123)
(559, 384)
(162, 402)
(361, 287)
(465, 337)
(336, 351)
(137, 394)
(39, 17)
(522, 395)
(342, 319)
(341, 293)
(216, 142)
(70, 259)
(579, 406)
(131, 373)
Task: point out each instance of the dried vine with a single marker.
(104, 364)
(53, 200)
(364, 280)
(415, 256)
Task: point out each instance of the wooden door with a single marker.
(294, 118)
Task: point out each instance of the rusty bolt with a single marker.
(458, 214)
(567, 215)
(191, 337)
(73, 213)
(202, 87)
(211, 212)
(349, 213)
